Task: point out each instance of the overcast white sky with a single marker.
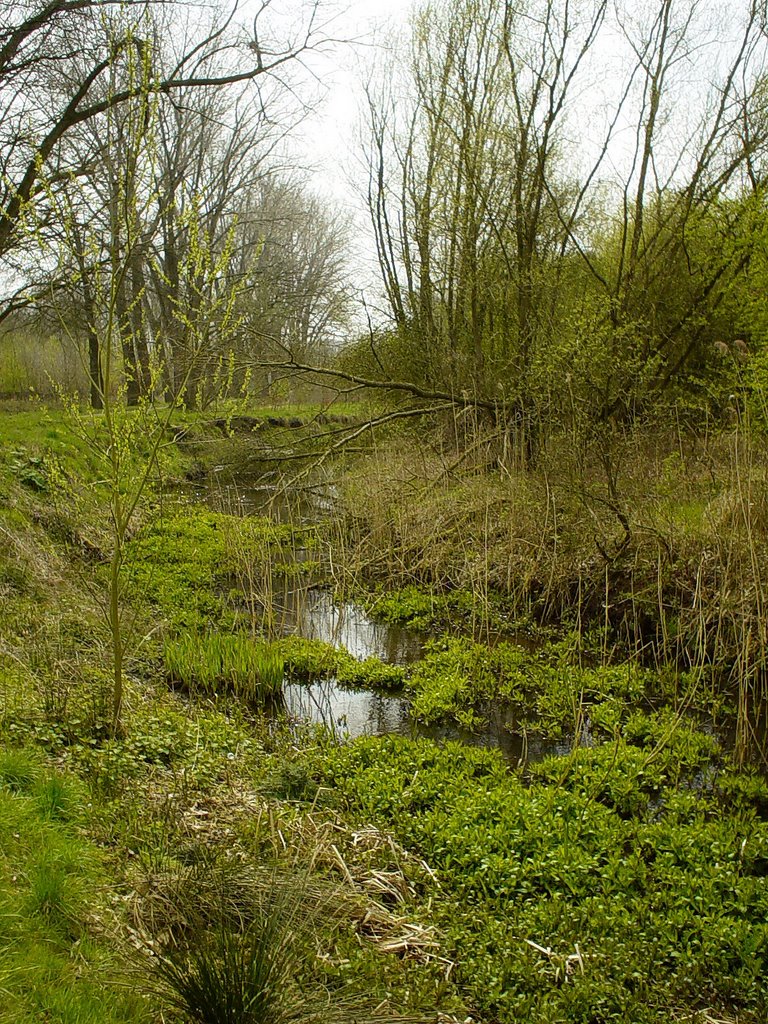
(328, 139)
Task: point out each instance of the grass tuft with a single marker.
(231, 977)
(19, 768)
(216, 663)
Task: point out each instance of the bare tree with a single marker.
(467, 192)
(57, 62)
(297, 298)
(217, 104)
(514, 246)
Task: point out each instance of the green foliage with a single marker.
(458, 679)
(421, 609)
(31, 363)
(57, 797)
(630, 777)
(642, 850)
(31, 470)
(370, 674)
(456, 675)
(310, 660)
(51, 885)
(217, 663)
(181, 562)
(639, 895)
(198, 749)
(746, 791)
(39, 439)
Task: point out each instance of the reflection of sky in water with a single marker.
(298, 608)
(283, 505)
(348, 625)
(347, 712)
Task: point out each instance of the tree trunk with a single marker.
(95, 374)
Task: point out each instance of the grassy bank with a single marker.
(624, 881)
(648, 546)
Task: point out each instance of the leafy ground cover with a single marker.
(546, 687)
(189, 563)
(624, 882)
(542, 690)
(310, 660)
(164, 819)
(434, 609)
(608, 887)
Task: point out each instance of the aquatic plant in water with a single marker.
(218, 663)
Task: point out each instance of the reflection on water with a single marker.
(295, 607)
(314, 615)
(500, 733)
(301, 506)
(348, 714)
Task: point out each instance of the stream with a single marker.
(352, 713)
(312, 613)
(299, 607)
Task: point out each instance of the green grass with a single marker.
(244, 972)
(53, 964)
(216, 663)
(44, 438)
(19, 768)
(645, 851)
(230, 979)
(304, 411)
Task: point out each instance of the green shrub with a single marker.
(250, 956)
(310, 660)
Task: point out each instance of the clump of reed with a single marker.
(233, 977)
(655, 541)
(242, 945)
(216, 663)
